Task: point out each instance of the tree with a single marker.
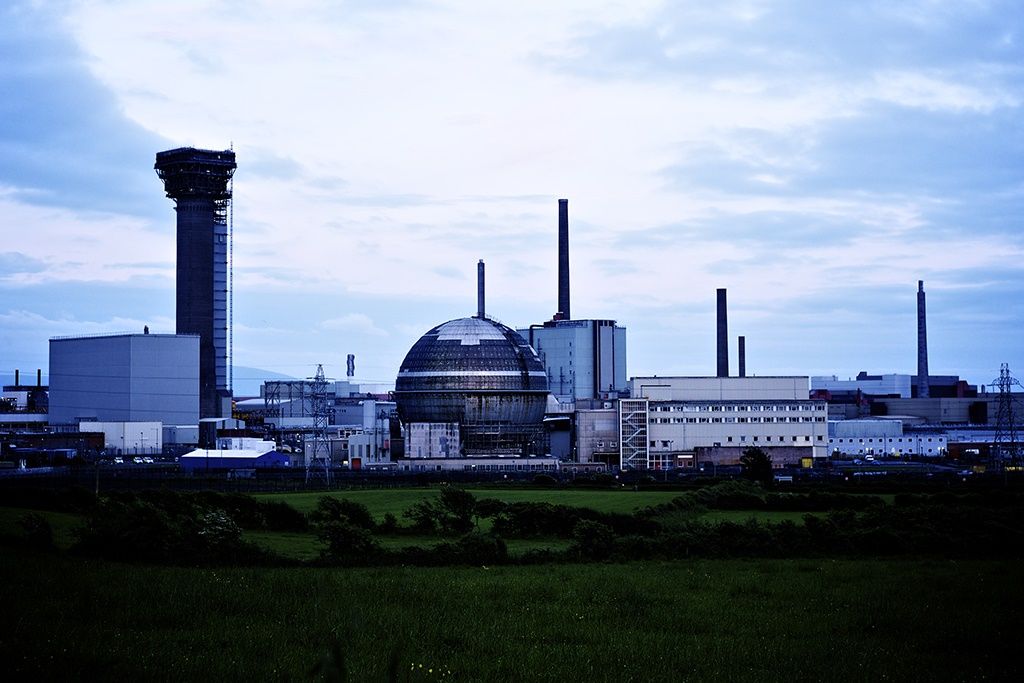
(757, 466)
(460, 506)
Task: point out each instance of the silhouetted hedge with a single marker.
(164, 529)
(527, 520)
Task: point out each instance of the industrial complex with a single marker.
(472, 394)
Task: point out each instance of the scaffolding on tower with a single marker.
(1006, 448)
(318, 453)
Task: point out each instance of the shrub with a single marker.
(592, 540)
(490, 507)
(164, 529)
(424, 516)
(389, 525)
(38, 533)
(475, 548)
(347, 543)
(459, 507)
(331, 509)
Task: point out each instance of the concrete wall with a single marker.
(781, 456)
(432, 440)
(597, 432)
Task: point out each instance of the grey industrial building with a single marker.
(124, 378)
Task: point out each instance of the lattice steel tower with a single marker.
(1006, 450)
(318, 454)
(199, 182)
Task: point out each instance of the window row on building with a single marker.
(732, 420)
(738, 408)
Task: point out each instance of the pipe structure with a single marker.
(563, 260)
(743, 356)
(480, 289)
(723, 335)
(923, 390)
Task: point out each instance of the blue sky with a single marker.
(815, 158)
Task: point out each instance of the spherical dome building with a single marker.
(481, 375)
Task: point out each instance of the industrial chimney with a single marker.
(922, 344)
(723, 336)
(743, 356)
(563, 260)
(480, 289)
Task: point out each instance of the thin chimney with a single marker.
(743, 356)
(723, 336)
(17, 377)
(563, 260)
(480, 289)
(922, 344)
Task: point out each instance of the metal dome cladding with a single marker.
(473, 371)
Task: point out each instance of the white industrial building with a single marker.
(883, 438)
(124, 378)
(139, 438)
(583, 359)
(363, 432)
(668, 418)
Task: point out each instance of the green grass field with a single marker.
(768, 620)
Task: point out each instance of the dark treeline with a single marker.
(206, 528)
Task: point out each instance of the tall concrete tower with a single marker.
(199, 182)
(923, 390)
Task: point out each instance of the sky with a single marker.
(815, 158)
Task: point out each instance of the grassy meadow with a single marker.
(769, 620)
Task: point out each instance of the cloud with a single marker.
(14, 263)
(358, 323)
(64, 141)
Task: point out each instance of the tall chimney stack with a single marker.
(480, 289)
(39, 377)
(922, 344)
(743, 356)
(17, 377)
(723, 336)
(563, 260)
